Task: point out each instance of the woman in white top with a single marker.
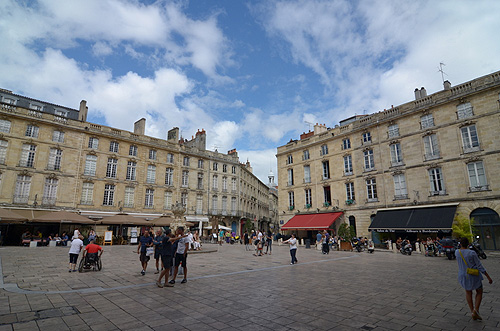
(293, 248)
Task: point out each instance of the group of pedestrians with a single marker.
(169, 250)
(259, 240)
(76, 246)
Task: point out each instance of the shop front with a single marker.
(413, 222)
(305, 226)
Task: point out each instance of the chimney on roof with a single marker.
(447, 85)
(140, 127)
(423, 92)
(417, 94)
(82, 114)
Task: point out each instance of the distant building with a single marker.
(51, 158)
(404, 171)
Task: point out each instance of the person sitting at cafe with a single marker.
(64, 239)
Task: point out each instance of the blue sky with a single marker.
(251, 73)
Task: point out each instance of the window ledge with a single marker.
(431, 157)
(482, 188)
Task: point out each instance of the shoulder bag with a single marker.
(470, 271)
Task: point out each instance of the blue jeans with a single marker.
(293, 253)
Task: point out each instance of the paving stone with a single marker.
(233, 290)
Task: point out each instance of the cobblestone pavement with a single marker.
(231, 289)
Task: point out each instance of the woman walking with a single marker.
(467, 261)
(293, 248)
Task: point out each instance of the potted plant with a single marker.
(346, 233)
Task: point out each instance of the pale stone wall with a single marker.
(75, 150)
(482, 93)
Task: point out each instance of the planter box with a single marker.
(345, 246)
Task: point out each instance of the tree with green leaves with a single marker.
(463, 227)
(346, 232)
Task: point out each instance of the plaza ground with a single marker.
(230, 289)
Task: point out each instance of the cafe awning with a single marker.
(415, 219)
(320, 221)
(8, 216)
(63, 216)
(125, 219)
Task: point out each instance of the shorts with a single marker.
(167, 261)
(73, 258)
(143, 257)
(157, 253)
(180, 258)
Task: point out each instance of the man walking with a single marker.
(181, 255)
(144, 242)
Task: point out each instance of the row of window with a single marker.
(470, 143)
(58, 136)
(475, 171)
(114, 146)
(131, 174)
(32, 131)
(23, 185)
(426, 121)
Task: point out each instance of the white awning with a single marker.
(196, 219)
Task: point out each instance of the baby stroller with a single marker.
(91, 261)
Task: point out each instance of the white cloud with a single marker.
(101, 49)
(370, 55)
(223, 135)
(262, 161)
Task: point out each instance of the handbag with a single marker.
(150, 251)
(470, 271)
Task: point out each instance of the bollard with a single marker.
(417, 248)
(52, 243)
(33, 244)
(394, 248)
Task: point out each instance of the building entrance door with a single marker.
(487, 227)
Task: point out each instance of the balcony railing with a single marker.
(86, 202)
(479, 188)
(7, 107)
(21, 199)
(48, 201)
(429, 157)
(400, 196)
(372, 200)
(347, 173)
(434, 193)
(350, 202)
(471, 149)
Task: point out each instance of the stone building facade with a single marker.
(438, 149)
(52, 158)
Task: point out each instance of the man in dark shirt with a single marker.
(158, 242)
(144, 241)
